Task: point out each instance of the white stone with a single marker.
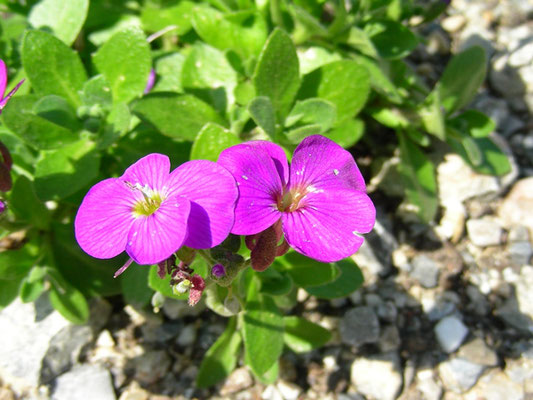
(187, 336)
(495, 385)
(459, 375)
(517, 207)
(484, 232)
(271, 393)
(377, 377)
(25, 336)
(289, 390)
(522, 56)
(450, 332)
(453, 23)
(85, 382)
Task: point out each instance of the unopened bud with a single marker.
(218, 271)
(198, 286)
(157, 301)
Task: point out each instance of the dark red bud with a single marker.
(195, 293)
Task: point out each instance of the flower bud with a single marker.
(182, 287)
(198, 286)
(157, 301)
(218, 270)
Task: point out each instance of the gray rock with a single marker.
(477, 352)
(360, 325)
(151, 366)
(524, 294)
(506, 79)
(450, 332)
(377, 377)
(425, 271)
(484, 231)
(26, 333)
(387, 311)
(520, 253)
(65, 350)
(187, 336)
(509, 311)
(459, 375)
(85, 382)
(389, 339)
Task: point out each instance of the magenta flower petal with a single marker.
(212, 192)
(259, 185)
(277, 155)
(151, 170)
(3, 78)
(11, 93)
(154, 238)
(322, 163)
(327, 225)
(104, 219)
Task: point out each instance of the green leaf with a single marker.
(244, 32)
(481, 153)
(175, 115)
(349, 279)
(262, 112)
(69, 301)
(432, 116)
(379, 80)
(63, 18)
(177, 15)
(359, 40)
(304, 271)
(134, 286)
(262, 330)
(391, 39)
(26, 206)
(60, 173)
(348, 132)
(207, 68)
(314, 57)
(276, 75)
(22, 156)
(58, 111)
(15, 264)
(125, 62)
(312, 111)
(92, 276)
(168, 69)
(269, 377)
(215, 297)
(52, 67)
(344, 83)
(221, 358)
(462, 78)
(211, 141)
(33, 285)
(419, 178)
(97, 92)
(39, 132)
(8, 291)
(473, 122)
(275, 282)
(302, 335)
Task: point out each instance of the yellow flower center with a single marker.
(149, 204)
(290, 200)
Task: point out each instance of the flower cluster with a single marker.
(318, 206)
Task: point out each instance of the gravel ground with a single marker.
(446, 312)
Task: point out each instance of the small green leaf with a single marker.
(38, 132)
(245, 32)
(391, 39)
(221, 358)
(211, 141)
(312, 111)
(302, 335)
(305, 271)
(97, 92)
(69, 301)
(58, 111)
(262, 331)
(174, 115)
(344, 83)
(63, 18)
(52, 67)
(419, 178)
(15, 264)
(9, 290)
(276, 75)
(125, 62)
(31, 289)
(275, 282)
(262, 112)
(26, 206)
(314, 57)
(177, 15)
(134, 285)
(215, 297)
(359, 40)
(379, 80)
(473, 122)
(348, 132)
(483, 155)
(60, 173)
(432, 116)
(269, 377)
(462, 77)
(168, 69)
(349, 280)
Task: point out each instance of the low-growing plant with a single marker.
(206, 141)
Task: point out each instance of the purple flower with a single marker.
(151, 81)
(150, 213)
(218, 270)
(2, 207)
(320, 199)
(3, 85)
